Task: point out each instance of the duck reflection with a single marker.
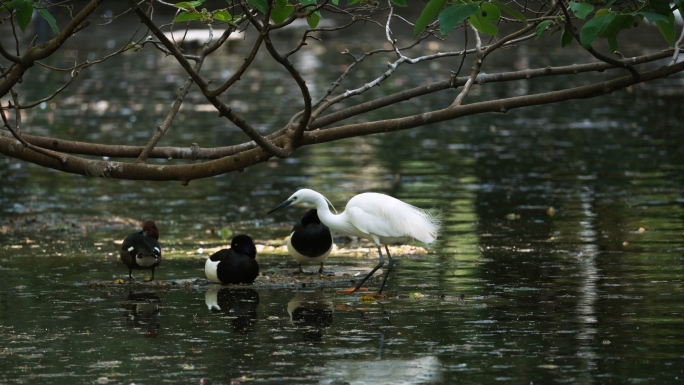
(311, 312)
(142, 312)
(238, 304)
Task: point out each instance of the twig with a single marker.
(474, 71)
(298, 129)
(222, 108)
(675, 55)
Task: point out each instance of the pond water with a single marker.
(560, 259)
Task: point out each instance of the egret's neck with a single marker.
(333, 221)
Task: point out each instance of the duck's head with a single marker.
(150, 229)
(244, 244)
(310, 217)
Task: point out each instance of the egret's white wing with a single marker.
(388, 217)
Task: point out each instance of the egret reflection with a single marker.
(312, 313)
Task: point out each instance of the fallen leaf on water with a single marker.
(345, 307)
(225, 233)
(367, 299)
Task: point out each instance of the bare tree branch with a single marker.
(26, 144)
(501, 105)
(186, 173)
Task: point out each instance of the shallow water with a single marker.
(560, 259)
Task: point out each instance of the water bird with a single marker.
(235, 265)
(376, 217)
(310, 241)
(141, 250)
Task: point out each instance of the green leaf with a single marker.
(429, 13)
(580, 10)
(667, 29)
(401, 3)
(542, 27)
(313, 19)
(187, 16)
(184, 5)
(566, 37)
(261, 5)
(24, 9)
(281, 10)
(653, 17)
(223, 15)
(506, 9)
(661, 6)
(45, 14)
(610, 32)
(593, 27)
(452, 16)
(484, 19)
(133, 46)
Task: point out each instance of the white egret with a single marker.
(141, 250)
(377, 217)
(310, 241)
(235, 265)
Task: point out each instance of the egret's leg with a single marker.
(389, 267)
(320, 270)
(358, 285)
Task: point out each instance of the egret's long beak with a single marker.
(281, 206)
